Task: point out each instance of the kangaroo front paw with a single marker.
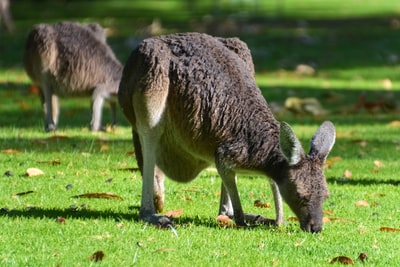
(158, 220)
(50, 127)
(258, 219)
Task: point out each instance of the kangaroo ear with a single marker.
(290, 146)
(323, 140)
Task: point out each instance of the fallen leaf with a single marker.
(394, 124)
(52, 162)
(330, 161)
(104, 148)
(130, 153)
(260, 204)
(327, 212)
(363, 257)
(10, 151)
(61, 220)
(378, 163)
(97, 256)
(174, 213)
(362, 203)
(342, 260)
(105, 195)
(386, 83)
(293, 219)
(23, 193)
(224, 221)
(33, 89)
(187, 198)
(347, 174)
(30, 172)
(325, 219)
(389, 229)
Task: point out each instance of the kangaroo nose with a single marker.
(315, 228)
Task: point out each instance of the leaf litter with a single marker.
(30, 172)
(101, 195)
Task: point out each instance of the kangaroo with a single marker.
(193, 102)
(72, 59)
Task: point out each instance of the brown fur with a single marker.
(72, 59)
(192, 102)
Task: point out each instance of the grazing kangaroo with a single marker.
(193, 102)
(72, 59)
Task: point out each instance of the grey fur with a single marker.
(192, 102)
(72, 59)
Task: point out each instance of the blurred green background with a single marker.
(344, 53)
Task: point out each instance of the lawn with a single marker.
(345, 55)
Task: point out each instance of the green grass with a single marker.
(354, 46)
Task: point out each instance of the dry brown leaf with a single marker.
(174, 213)
(327, 212)
(61, 220)
(224, 221)
(187, 198)
(97, 256)
(260, 204)
(342, 260)
(386, 83)
(378, 163)
(325, 219)
(33, 89)
(330, 161)
(105, 195)
(52, 162)
(363, 257)
(104, 148)
(130, 153)
(347, 174)
(362, 203)
(389, 229)
(10, 151)
(30, 172)
(23, 193)
(395, 123)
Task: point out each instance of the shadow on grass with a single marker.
(87, 214)
(74, 212)
(362, 182)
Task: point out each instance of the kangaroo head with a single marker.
(303, 186)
